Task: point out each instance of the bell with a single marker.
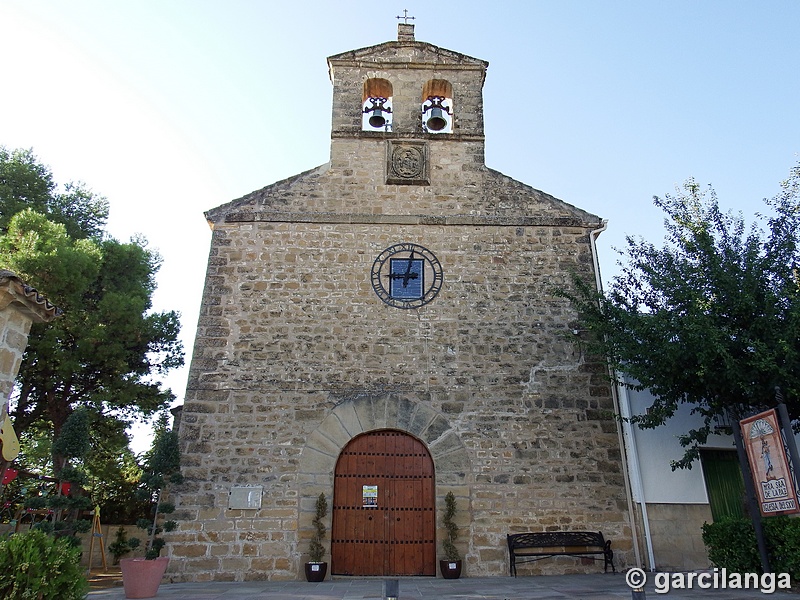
(436, 122)
(377, 119)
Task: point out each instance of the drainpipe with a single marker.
(629, 433)
(593, 235)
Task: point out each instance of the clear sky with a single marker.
(172, 107)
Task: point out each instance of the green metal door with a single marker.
(724, 483)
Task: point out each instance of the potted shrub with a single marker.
(142, 576)
(451, 565)
(316, 568)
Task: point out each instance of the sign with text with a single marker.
(370, 495)
(763, 442)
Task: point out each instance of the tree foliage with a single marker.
(26, 183)
(35, 565)
(113, 474)
(711, 318)
(106, 349)
(162, 467)
(105, 467)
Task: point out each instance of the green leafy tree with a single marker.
(113, 474)
(711, 318)
(71, 446)
(73, 442)
(106, 350)
(101, 469)
(120, 546)
(106, 347)
(26, 183)
(108, 472)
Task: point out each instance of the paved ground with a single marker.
(559, 587)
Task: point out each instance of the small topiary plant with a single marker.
(120, 546)
(316, 550)
(448, 545)
(162, 466)
(34, 565)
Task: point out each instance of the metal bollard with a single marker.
(391, 589)
(637, 594)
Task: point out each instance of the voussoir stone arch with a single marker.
(368, 412)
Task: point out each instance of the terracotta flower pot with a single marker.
(141, 577)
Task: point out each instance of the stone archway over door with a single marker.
(388, 527)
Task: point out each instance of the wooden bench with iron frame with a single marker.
(528, 547)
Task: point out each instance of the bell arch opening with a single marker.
(376, 105)
(437, 106)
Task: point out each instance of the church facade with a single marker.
(384, 329)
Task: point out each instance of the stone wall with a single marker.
(295, 353)
(291, 333)
(677, 532)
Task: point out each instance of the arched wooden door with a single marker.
(383, 507)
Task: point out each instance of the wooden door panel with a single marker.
(396, 537)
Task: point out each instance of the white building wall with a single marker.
(672, 504)
(657, 448)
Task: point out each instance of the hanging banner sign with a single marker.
(370, 495)
(763, 442)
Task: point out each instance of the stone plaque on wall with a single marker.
(407, 163)
(245, 497)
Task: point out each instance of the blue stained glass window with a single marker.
(406, 278)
